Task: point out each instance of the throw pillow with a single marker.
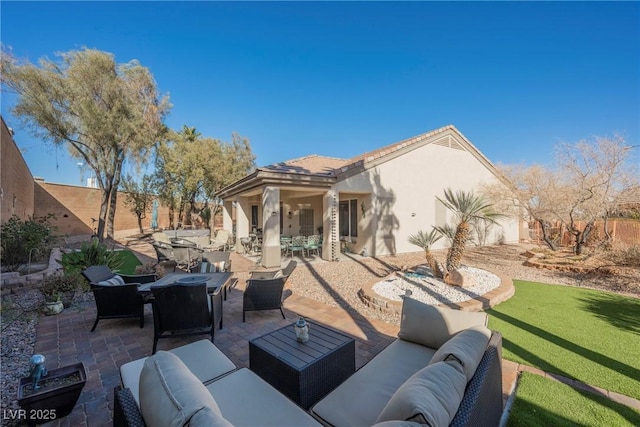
(114, 281)
(467, 347)
(169, 392)
(431, 396)
(433, 326)
(207, 417)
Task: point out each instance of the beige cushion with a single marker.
(467, 346)
(431, 396)
(208, 417)
(245, 399)
(359, 400)
(202, 358)
(433, 326)
(397, 423)
(169, 393)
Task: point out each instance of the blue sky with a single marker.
(340, 79)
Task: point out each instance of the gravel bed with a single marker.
(19, 322)
(431, 290)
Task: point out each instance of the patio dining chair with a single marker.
(116, 295)
(312, 244)
(186, 253)
(297, 245)
(182, 310)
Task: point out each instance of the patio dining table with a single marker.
(215, 281)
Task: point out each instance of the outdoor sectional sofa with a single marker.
(444, 369)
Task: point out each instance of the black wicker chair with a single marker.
(263, 294)
(184, 310)
(114, 302)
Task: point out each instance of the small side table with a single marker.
(304, 372)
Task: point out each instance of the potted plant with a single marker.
(55, 394)
(60, 289)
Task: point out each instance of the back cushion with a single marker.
(114, 281)
(433, 326)
(212, 267)
(466, 346)
(170, 394)
(431, 396)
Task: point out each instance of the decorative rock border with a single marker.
(13, 282)
(492, 298)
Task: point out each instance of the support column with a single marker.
(227, 220)
(242, 221)
(330, 226)
(271, 227)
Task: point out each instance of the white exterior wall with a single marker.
(408, 185)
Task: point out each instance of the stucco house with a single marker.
(371, 203)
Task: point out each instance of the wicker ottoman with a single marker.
(304, 372)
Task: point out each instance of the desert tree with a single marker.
(596, 173)
(192, 169)
(102, 111)
(534, 193)
(138, 196)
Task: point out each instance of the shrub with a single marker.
(626, 256)
(20, 238)
(90, 253)
(53, 287)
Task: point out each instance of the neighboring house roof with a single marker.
(324, 171)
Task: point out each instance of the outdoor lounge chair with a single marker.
(264, 289)
(263, 294)
(182, 310)
(116, 295)
(220, 242)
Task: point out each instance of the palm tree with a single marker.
(425, 240)
(465, 206)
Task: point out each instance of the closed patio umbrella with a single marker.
(154, 215)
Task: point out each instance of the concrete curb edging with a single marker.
(488, 300)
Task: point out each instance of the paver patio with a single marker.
(65, 339)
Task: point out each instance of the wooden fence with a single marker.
(625, 231)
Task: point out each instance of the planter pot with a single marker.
(51, 308)
(59, 391)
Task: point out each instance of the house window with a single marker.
(306, 221)
(348, 217)
(254, 218)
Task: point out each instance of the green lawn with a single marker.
(129, 262)
(588, 335)
(544, 402)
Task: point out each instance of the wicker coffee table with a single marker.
(304, 372)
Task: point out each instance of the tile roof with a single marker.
(332, 166)
(308, 165)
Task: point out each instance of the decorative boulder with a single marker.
(458, 278)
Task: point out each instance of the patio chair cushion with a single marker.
(431, 396)
(170, 394)
(433, 326)
(467, 347)
(212, 267)
(202, 358)
(114, 281)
